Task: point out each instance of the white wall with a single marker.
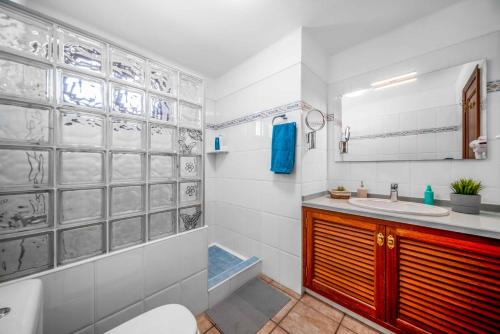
(450, 37)
(257, 212)
(447, 27)
(254, 211)
(314, 92)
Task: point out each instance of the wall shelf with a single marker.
(225, 150)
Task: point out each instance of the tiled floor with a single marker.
(302, 315)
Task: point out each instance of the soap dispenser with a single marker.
(429, 195)
(362, 191)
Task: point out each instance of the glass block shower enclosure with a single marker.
(100, 148)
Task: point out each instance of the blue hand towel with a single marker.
(283, 148)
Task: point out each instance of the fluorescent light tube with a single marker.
(397, 83)
(390, 81)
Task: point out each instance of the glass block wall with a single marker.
(100, 149)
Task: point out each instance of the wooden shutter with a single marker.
(343, 261)
(443, 284)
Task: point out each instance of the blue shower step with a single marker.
(222, 265)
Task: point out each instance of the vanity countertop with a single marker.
(486, 224)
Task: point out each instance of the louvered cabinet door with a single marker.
(441, 283)
(343, 261)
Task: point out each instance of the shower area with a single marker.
(100, 147)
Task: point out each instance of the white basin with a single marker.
(401, 207)
(25, 302)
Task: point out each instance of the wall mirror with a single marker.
(412, 116)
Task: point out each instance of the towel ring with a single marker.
(279, 116)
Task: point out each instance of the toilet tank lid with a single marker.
(171, 318)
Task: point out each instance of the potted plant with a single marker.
(340, 193)
(465, 197)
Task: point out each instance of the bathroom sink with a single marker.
(401, 207)
(20, 307)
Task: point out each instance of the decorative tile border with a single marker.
(299, 105)
(332, 118)
(493, 86)
(442, 129)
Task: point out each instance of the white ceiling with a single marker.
(212, 36)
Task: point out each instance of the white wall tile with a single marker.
(281, 198)
(272, 227)
(426, 143)
(290, 271)
(245, 193)
(487, 173)
(159, 270)
(170, 295)
(68, 299)
(271, 262)
(366, 171)
(246, 275)
(280, 55)
(291, 236)
(393, 172)
(210, 214)
(192, 253)
(285, 88)
(118, 282)
(430, 172)
(309, 188)
(118, 318)
(219, 293)
(86, 330)
(194, 292)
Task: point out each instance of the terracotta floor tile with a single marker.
(324, 308)
(343, 330)
(204, 323)
(284, 311)
(303, 319)
(266, 279)
(356, 326)
(279, 330)
(267, 328)
(286, 290)
(214, 330)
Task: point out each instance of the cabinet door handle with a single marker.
(390, 241)
(380, 239)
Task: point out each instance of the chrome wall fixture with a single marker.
(315, 120)
(344, 140)
(100, 147)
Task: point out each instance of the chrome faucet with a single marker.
(394, 192)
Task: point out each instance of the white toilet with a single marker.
(171, 319)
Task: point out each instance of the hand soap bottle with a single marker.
(429, 195)
(362, 191)
(217, 144)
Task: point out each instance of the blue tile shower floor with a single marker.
(222, 265)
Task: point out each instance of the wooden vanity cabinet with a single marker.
(442, 282)
(407, 278)
(343, 261)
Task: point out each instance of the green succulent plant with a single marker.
(340, 188)
(466, 187)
